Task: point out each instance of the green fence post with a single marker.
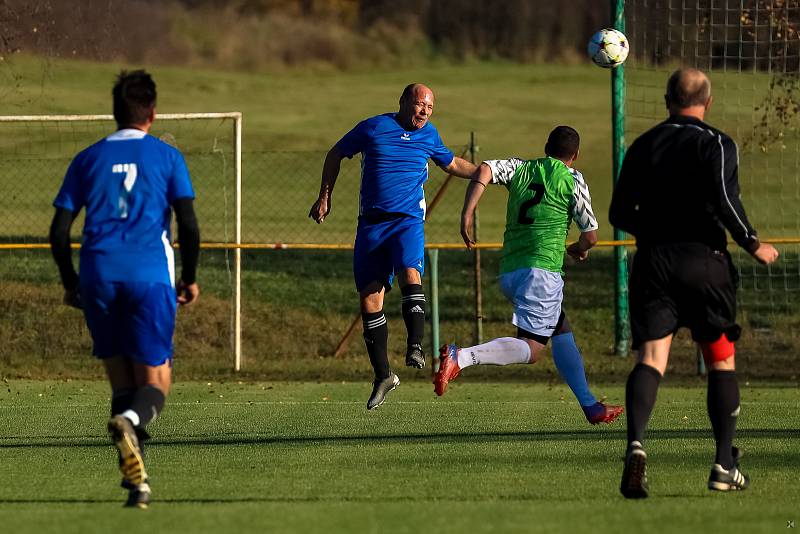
(621, 331)
(433, 267)
(701, 364)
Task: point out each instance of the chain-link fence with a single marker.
(296, 305)
(35, 155)
(280, 187)
(751, 52)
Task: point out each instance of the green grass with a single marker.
(511, 107)
(295, 116)
(296, 305)
(305, 457)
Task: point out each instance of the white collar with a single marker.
(126, 134)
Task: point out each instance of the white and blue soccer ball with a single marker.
(608, 48)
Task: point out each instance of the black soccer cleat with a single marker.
(138, 495)
(380, 388)
(727, 479)
(131, 464)
(634, 476)
(415, 357)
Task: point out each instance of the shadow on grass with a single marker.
(443, 437)
(285, 500)
(233, 500)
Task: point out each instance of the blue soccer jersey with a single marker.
(127, 182)
(395, 163)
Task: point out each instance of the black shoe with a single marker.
(634, 476)
(380, 388)
(138, 494)
(415, 357)
(727, 480)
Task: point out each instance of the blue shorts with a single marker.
(131, 319)
(386, 247)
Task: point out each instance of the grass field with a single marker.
(292, 117)
(308, 112)
(308, 457)
(506, 450)
(298, 304)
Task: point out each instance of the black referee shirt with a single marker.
(679, 183)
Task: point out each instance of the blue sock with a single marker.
(569, 363)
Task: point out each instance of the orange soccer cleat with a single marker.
(448, 368)
(602, 413)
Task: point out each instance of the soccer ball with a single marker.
(608, 48)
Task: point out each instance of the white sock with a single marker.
(131, 416)
(500, 351)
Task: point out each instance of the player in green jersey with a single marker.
(544, 195)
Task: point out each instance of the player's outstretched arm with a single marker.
(579, 250)
(62, 254)
(477, 185)
(330, 172)
(460, 167)
(189, 240)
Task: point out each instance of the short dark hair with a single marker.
(563, 142)
(134, 97)
(688, 87)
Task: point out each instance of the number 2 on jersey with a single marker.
(538, 195)
(131, 172)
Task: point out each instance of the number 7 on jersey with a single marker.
(131, 172)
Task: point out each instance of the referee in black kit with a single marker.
(678, 191)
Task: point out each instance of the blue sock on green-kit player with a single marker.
(568, 361)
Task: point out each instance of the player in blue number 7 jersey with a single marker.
(389, 240)
(129, 183)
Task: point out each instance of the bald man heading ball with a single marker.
(390, 241)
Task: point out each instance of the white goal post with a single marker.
(219, 243)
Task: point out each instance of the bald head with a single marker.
(416, 106)
(415, 90)
(687, 88)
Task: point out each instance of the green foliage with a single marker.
(777, 114)
(247, 34)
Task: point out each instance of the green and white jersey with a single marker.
(544, 195)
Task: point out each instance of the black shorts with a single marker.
(685, 284)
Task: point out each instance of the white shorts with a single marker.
(537, 295)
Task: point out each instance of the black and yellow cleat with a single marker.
(131, 464)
